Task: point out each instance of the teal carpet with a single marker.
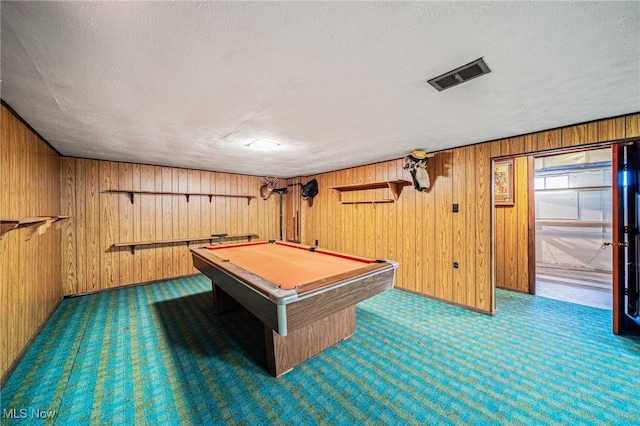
(156, 354)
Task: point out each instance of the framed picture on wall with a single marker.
(503, 188)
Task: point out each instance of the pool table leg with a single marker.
(222, 302)
(284, 353)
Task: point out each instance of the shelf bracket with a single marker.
(396, 189)
(39, 228)
(7, 226)
(130, 195)
(187, 195)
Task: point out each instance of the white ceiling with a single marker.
(338, 84)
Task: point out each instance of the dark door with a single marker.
(633, 211)
(625, 238)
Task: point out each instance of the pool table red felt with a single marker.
(305, 296)
(288, 268)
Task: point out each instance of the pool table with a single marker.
(304, 295)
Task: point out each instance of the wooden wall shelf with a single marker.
(373, 202)
(395, 187)
(130, 193)
(37, 224)
(212, 238)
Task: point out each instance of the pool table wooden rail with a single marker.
(314, 305)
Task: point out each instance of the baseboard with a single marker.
(448, 302)
(120, 287)
(24, 350)
(513, 289)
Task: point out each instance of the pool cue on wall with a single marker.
(280, 191)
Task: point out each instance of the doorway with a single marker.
(572, 197)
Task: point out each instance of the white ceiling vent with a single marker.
(460, 75)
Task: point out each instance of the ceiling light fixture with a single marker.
(460, 75)
(263, 145)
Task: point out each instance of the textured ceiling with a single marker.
(338, 84)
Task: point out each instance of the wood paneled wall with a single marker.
(100, 218)
(419, 231)
(422, 233)
(30, 271)
(512, 234)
